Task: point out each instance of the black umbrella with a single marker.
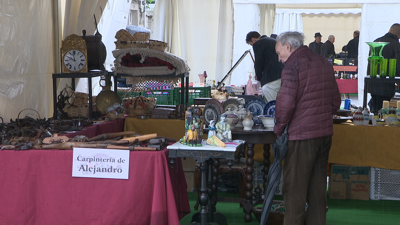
(280, 148)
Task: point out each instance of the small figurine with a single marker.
(211, 129)
(192, 137)
(224, 129)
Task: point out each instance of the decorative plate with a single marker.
(232, 103)
(256, 107)
(269, 108)
(217, 104)
(211, 112)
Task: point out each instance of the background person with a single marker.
(352, 47)
(266, 65)
(328, 48)
(315, 46)
(385, 91)
(307, 100)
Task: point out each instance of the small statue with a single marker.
(224, 129)
(192, 137)
(211, 129)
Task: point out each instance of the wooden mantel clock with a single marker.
(74, 55)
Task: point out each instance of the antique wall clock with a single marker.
(74, 55)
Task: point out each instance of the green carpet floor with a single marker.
(341, 212)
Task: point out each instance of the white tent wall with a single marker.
(199, 31)
(26, 58)
(244, 22)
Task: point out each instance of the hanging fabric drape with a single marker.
(26, 47)
(267, 19)
(79, 16)
(199, 31)
(288, 22)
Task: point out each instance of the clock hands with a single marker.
(69, 57)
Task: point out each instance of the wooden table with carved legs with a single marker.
(251, 138)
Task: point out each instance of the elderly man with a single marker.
(315, 46)
(328, 48)
(307, 100)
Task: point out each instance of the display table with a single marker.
(112, 126)
(369, 82)
(365, 146)
(38, 188)
(176, 129)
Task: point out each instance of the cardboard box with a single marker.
(188, 164)
(349, 182)
(189, 176)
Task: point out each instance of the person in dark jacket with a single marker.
(307, 100)
(315, 46)
(385, 91)
(328, 48)
(266, 65)
(352, 47)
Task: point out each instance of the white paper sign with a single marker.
(100, 163)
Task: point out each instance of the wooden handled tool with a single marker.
(131, 148)
(70, 145)
(140, 138)
(111, 135)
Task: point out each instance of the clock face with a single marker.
(74, 60)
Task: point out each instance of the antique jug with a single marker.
(106, 97)
(248, 121)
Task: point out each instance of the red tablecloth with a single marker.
(100, 128)
(37, 187)
(347, 86)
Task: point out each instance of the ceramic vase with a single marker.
(248, 121)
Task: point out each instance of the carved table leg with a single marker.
(210, 191)
(266, 163)
(249, 183)
(215, 180)
(204, 197)
(218, 218)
